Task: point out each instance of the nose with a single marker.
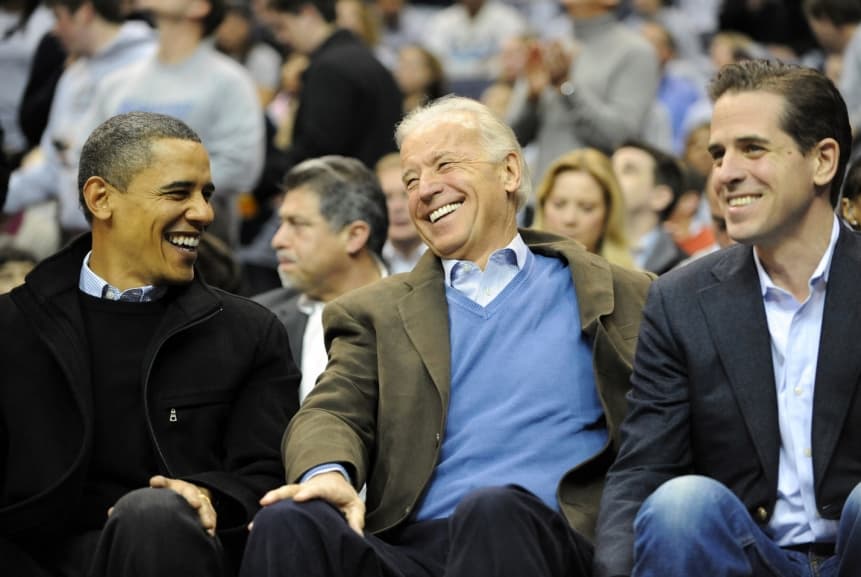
(728, 172)
(200, 210)
(429, 186)
(281, 237)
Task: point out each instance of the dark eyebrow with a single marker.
(185, 184)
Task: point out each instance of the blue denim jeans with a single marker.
(694, 526)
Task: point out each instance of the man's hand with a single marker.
(331, 487)
(198, 497)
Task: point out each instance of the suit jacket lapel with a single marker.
(735, 315)
(838, 369)
(593, 280)
(425, 320)
(295, 321)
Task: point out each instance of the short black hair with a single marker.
(121, 147)
(110, 10)
(839, 12)
(668, 172)
(326, 8)
(347, 191)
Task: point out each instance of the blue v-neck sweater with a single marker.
(523, 407)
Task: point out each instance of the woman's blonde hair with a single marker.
(613, 242)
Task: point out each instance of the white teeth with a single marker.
(742, 200)
(444, 210)
(184, 241)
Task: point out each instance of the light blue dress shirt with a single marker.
(795, 328)
(92, 284)
(483, 286)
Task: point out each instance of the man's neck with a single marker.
(406, 247)
(365, 270)
(791, 261)
(102, 33)
(640, 224)
(178, 39)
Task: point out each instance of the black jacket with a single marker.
(219, 363)
(349, 104)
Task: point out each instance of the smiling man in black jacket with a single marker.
(141, 410)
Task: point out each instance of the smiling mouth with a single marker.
(183, 241)
(444, 210)
(739, 201)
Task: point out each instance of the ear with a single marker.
(660, 198)
(827, 155)
(847, 210)
(97, 196)
(356, 235)
(512, 174)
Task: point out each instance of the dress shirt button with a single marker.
(807, 452)
(798, 391)
(761, 514)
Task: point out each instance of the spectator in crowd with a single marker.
(835, 25)
(349, 102)
(681, 86)
(739, 452)
(779, 27)
(333, 226)
(94, 33)
(358, 18)
(652, 183)
(598, 94)
(579, 197)
(401, 22)
(467, 37)
(23, 24)
(463, 463)
(688, 223)
(850, 200)
(153, 402)
(237, 37)
(188, 79)
(404, 246)
(684, 37)
(696, 154)
(419, 75)
(15, 264)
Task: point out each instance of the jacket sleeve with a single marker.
(337, 423)
(261, 410)
(655, 443)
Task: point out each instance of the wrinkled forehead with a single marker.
(454, 134)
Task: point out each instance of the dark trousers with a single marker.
(152, 532)
(493, 532)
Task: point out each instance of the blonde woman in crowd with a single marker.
(579, 197)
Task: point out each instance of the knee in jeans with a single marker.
(681, 505)
(852, 507)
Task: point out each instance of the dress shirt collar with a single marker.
(94, 285)
(517, 246)
(821, 271)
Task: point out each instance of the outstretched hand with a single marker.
(331, 487)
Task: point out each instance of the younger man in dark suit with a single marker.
(741, 454)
